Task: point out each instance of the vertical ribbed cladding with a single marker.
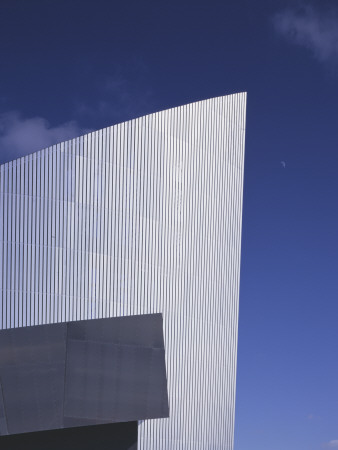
(141, 217)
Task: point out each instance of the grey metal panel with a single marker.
(70, 422)
(33, 396)
(32, 367)
(43, 344)
(82, 373)
(116, 369)
(144, 330)
(3, 418)
(173, 199)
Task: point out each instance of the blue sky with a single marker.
(69, 67)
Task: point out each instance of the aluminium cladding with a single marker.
(139, 218)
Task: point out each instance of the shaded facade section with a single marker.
(82, 373)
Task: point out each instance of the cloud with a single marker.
(331, 444)
(313, 417)
(115, 98)
(119, 103)
(119, 96)
(20, 136)
(312, 29)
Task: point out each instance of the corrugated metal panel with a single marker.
(141, 217)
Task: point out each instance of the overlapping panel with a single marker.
(115, 370)
(138, 218)
(82, 373)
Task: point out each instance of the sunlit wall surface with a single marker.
(141, 217)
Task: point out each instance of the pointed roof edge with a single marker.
(242, 94)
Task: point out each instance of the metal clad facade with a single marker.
(142, 217)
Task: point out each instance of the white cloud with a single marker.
(20, 136)
(313, 417)
(312, 29)
(331, 444)
(120, 97)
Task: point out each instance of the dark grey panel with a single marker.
(70, 422)
(32, 366)
(145, 330)
(157, 383)
(33, 397)
(111, 371)
(3, 419)
(41, 344)
(82, 373)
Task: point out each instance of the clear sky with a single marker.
(67, 67)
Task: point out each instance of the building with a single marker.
(142, 217)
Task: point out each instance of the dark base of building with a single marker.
(113, 436)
